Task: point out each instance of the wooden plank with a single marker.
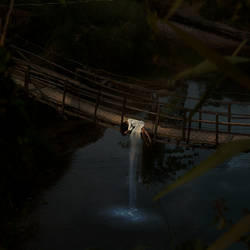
(76, 89)
(178, 108)
(176, 118)
(109, 116)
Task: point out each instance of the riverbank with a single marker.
(55, 139)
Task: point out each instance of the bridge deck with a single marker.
(109, 102)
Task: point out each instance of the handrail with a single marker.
(125, 83)
(111, 98)
(143, 99)
(79, 91)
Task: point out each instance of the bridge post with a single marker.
(98, 97)
(184, 124)
(229, 117)
(157, 119)
(200, 118)
(27, 80)
(189, 130)
(64, 95)
(217, 129)
(79, 98)
(123, 109)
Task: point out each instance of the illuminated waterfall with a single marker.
(134, 161)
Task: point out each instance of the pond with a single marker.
(101, 203)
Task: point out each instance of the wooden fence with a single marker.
(88, 94)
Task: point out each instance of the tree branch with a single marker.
(3, 36)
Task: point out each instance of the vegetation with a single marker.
(23, 154)
(27, 159)
(103, 35)
(235, 13)
(98, 34)
(239, 230)
(232, 12)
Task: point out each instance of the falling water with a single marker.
(134, 161)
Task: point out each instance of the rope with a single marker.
(53, 52)
(73, 73)
(84, 66)
(43, 59)
(131, 78)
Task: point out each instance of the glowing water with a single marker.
(134, 161)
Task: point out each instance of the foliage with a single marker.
(23, 154)
(206, 67)
(225, 151)
(100, 34)
(4, 59)
(223, 65)
(234, 12)
(235, 233)
(124, 37)
(174, 7)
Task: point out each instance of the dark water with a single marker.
(88, 208)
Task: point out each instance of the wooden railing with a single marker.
(118, 97)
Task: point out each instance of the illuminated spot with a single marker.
(131, 215)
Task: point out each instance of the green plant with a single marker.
(224, 152)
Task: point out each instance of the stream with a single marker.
(103, 201)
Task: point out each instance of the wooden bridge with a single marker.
(108, 99)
